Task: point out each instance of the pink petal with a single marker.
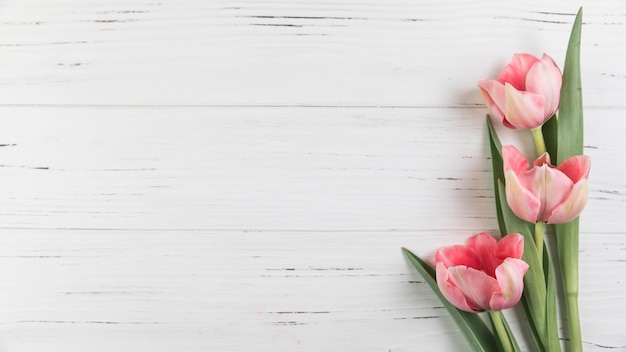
(510, 276)
(576, 167)
(510, 246)
(458, 255)
(484, 246)
(521, 201)
(514, 160)
(493, 93)
(534, 180)
(544, 78)
(557, 188)
(572, 206)
(524, 110)
(516, 71)
(476, 286)
(450, 292)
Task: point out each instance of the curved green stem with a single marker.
(498, 324)
(540, 144)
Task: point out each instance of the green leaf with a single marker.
(570, 143)
(533, 328)
(550, 136)
(534, 280)
(570, 136)
(570, 117)
(551, 316)
(567, 246)
(477, 334)
(498, 171)
(497, 165)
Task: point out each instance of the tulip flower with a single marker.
(544, 193)
(483, 274)
(527, 92)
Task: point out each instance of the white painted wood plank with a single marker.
(264, 228)
(410, 53)
(269, 168)
(262, 291)
(137, 214)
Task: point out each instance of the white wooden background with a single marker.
(192, 175)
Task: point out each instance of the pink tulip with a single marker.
(554, 195)
(483, 274)
(527, 93)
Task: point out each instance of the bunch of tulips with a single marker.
(544, 195)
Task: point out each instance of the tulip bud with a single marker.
(527, 92)
(483, 274)
(554, 195)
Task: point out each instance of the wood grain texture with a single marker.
(237, 176)
(265, 290)
(409, 53)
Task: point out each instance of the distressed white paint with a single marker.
(237, 176)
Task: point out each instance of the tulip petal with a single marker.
(452, 294)
(524, 110)
(557, 188)
(516, 71)
(572, 206)
(510, 246)
(484, 245)
(544, 78)
(534, 180)
(493, 93)
(521, 200)
(474, 289)
(510, 277)
(458, 255)
(514, 160)
(476, 286)
(576, 167)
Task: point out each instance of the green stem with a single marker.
(573, 323)
(496, 319)
(540, 144)
(567, 245)
(540, 228)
